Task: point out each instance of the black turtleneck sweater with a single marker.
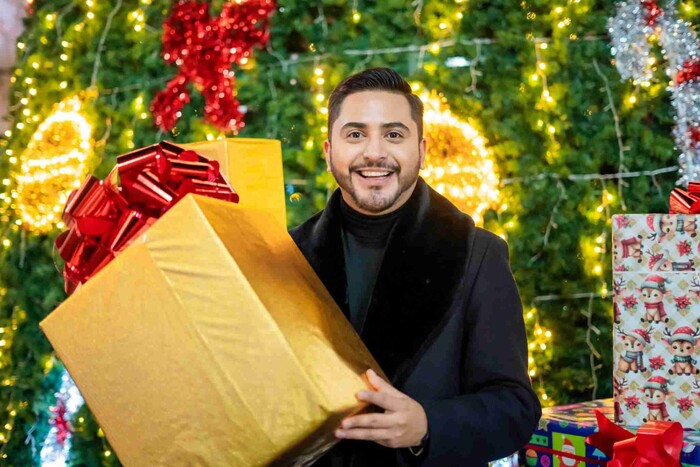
(364, 241)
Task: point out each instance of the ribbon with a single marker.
(104, 216)
(685, 202)
(689, 72)
(657, 443)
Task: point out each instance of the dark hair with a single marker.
(375, 79)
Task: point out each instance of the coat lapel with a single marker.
(421, 274)
(320, 240)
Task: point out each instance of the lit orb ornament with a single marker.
(457, 163)
(53, 164)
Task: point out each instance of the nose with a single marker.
(373, 149)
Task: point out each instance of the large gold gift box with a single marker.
(211, 341)
(253, 167)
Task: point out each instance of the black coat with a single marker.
(445, 324)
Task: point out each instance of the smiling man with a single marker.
(431, 295)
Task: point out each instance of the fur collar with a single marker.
(422, 273)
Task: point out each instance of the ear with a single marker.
(422, 148)
(327, 154)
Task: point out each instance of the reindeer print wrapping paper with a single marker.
(656, 311)
(560, 438)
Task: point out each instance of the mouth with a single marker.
(375, 174)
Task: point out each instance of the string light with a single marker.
(138, 18)
(53, 163)
(467, 175)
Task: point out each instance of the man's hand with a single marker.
(403, 423)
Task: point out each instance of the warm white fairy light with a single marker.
(457, 163)
(53, 164)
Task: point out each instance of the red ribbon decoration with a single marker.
(685, 202)
(204, 48)
(689, 72)
(694, 135)
(657, 443)
(102, 218)
(653, 11)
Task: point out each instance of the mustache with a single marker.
(364, 165)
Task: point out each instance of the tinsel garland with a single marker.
(632, 29)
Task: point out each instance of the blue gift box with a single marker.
(560, 438)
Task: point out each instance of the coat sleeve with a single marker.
(497, 411)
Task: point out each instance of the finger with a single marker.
(380, 384)
(368, 434)
(374, 420)
(382, 399)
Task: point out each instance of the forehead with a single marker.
(375, 107)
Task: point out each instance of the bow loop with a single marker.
(657, 443)
(103, 217)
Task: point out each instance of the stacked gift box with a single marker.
(656, 377)
(656, 299)
(560, 438)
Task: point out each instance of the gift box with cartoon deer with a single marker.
(656, 303)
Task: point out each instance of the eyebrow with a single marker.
(385, 126)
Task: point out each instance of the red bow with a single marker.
(204, 48)
(103, 218)
(657, 444)
(685, 202)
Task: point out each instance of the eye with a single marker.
(394, 135)
(354, 134)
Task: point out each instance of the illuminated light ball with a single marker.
(53, 164)
(531, 457)
(457, 163)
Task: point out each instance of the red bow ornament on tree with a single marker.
(204, 48)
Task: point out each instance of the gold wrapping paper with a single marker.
(211, 341)
(253, 167)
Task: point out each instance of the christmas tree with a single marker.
(531, 86)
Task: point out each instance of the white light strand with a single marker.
(444, 43)
(590, 176)
(621, 148)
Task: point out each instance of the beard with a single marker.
(375, 199)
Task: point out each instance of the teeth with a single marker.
(374, 174)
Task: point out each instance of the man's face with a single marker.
(375, 154)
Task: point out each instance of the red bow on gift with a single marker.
(685, 202)
(103, 218)
(657, 444)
